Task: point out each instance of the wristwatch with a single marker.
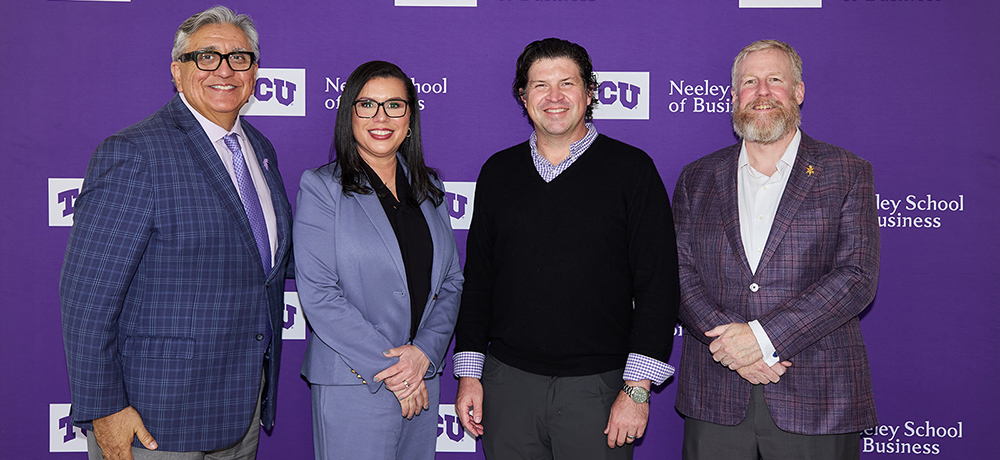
(638, 394)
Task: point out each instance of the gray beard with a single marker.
(765, 129)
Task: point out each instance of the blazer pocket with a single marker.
(158, 347)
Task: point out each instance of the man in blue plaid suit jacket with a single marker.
(778, 247)
(172, 310)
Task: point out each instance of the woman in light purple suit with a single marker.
(378, 275)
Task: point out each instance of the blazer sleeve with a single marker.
(434, 335)
(112, 226)
(698, 313)
(844, 292)
(334, 319)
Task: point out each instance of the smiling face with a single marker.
(220, 94)
(556, 99)
(380, 136)
(766, 100)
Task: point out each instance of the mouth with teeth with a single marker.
(380, 134)
(223, 87)
(765, 104)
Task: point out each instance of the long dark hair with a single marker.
(345, 148)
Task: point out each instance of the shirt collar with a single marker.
(784, 163)
(215, 132)
(575, 149)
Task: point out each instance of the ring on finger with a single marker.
(406, 384)
(630, 436)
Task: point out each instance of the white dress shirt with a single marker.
(759, 196)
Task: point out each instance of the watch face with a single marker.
(638, 394)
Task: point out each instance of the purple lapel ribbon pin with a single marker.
(266, 168)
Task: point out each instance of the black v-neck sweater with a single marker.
(552, 268)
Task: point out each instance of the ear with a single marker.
(175, 70)
(800, 92)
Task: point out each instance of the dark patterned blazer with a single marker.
(164, 297)
(818, 271)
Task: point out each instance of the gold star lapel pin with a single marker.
(810, 171)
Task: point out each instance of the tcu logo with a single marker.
(278, 92)
(608, 92)
(283, 91)
(451, 435)
(293, 325)
(459, 197)
(623, 96)
(62, 197)
(457, 202)
(63, 436)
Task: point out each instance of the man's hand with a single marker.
(402, 378)
(416, 402)
(760, 373)
(114, 434)
(735, 345)
(628, 418)
(470, 398)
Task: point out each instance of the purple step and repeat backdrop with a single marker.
(908, 85)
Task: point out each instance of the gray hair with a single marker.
(762, 45)
(214, 15)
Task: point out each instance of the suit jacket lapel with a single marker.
(800, 182)
(376, 214)
(207, 157)
(440, 232)
(725, 182)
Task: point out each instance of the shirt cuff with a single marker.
(766, 347)
(469, 364)
(642, 367)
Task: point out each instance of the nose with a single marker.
(380, 114)
(763, 89)
(555, 94)
(225, 69)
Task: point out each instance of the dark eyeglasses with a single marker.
(239, 61)
(367, 108)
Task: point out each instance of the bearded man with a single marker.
(778, 247)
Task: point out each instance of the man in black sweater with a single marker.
(571, 279)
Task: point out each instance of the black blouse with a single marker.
(414, 237)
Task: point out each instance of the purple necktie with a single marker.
(251, 202)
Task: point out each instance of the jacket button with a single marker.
(754, 287)
(260, 337)
(435, 296)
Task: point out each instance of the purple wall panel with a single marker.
(908, 85)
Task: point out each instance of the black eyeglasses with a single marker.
(367, 108)
(239, 61)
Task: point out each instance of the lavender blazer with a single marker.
(819, 270)
(352, 283)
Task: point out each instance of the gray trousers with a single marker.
(536, 417)
(757, 437)
(244, 449)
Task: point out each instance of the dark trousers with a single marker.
(757, 437)
(536, 417)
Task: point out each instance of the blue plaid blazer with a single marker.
(819, 270)
(163, 295)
